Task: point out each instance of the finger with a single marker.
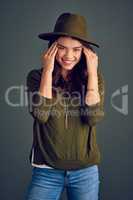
(89, 49)
(46, 52)
(86, 52)
(51, 48)
(89, 52)
(53, 53)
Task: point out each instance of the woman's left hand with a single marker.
(91, 60)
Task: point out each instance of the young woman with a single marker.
(66, 99)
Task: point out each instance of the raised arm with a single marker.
(39, 87)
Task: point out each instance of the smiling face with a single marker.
(68, 53)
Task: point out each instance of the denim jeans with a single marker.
(48, 184)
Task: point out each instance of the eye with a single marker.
(61, 47)
(77, 49)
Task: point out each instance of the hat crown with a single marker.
(71, 24)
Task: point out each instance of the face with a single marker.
(68, 53)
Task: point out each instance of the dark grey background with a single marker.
(110, 22)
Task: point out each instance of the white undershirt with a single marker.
(36, 165)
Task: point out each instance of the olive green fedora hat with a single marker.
(68, 24)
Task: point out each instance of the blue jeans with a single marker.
(48, 184)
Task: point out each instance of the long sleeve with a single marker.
(38, 106)
(95, 113)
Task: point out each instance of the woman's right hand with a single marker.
(48, 57)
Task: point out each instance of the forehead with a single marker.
(64, 40)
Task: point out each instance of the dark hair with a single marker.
(77, 77)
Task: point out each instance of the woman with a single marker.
(66, 102)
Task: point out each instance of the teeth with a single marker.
(68, 62)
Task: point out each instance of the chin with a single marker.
(68, 67)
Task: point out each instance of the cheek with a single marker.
(59, 55)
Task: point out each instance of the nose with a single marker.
(69, 54)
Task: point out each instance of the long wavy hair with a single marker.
(77, 77)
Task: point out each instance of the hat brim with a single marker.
(53, 35)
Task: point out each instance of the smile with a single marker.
(67, 61)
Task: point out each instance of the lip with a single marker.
(67, 61)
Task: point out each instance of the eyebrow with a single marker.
(67, 47)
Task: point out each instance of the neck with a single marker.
(64, 73)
